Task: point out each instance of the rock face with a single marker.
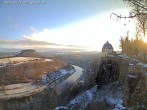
(28, 53)
(133, 78)
(112, 69)
(136, 89)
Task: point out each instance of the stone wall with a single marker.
(112, 69)
(133, 77)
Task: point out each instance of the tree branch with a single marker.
(119, 16)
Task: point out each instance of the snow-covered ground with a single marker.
(51, 77)
(18, 60)
(124, 56)
(111, 94)
(135, 62)
(142, 64)
(14, 86)
(20, 90)
(132, 75)
(49, 60)
(15, 60)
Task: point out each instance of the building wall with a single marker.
(103, 54)
(107, 50)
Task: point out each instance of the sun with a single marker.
(145, 39)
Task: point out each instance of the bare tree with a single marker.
(139, 11)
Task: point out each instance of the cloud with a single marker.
(92, 32)
(29, 43)
(24, 42)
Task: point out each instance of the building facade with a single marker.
(107, 47)
(107, 50)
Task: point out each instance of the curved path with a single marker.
(27, 89)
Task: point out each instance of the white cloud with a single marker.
(92, 32)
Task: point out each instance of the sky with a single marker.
(63, 24)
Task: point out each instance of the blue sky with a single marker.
(23, 21)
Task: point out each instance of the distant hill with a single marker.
(7, 54)
(28, 53)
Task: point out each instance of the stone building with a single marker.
(107, 47)
(107, 50)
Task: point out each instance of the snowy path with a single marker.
(24, 89)
(66, 84)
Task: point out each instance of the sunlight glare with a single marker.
(145, 39)
(92, 32)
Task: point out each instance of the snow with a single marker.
(58, 74)
(14, 86)
(130, 64)
(139, 63)
(124, 56)
(132, 75)
(20, 90)
(15, 60)
(45, 79)
(111, 94)
(17, 63)
(18, 60)
(22, 59)
(64, 71)
(84, 98)
(2, 66)
(61, 108)
(81, 82)
(49, 60)
(145, 65)
(119, 105)
(70, 81)
(27, 89)
(89, 95)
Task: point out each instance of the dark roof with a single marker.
(107, 45)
